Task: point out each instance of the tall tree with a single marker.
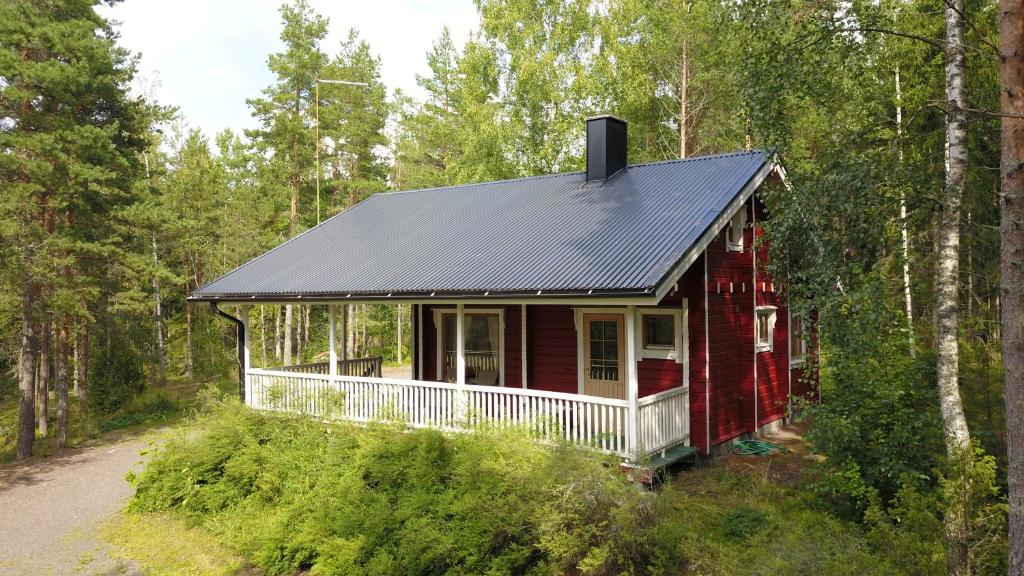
(284, 112)
(1011, 43)
(947, 284)
(74, 132)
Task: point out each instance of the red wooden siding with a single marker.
(772, 367)
(692, 287)
(551, 349)
(731, 338)
(513, 347)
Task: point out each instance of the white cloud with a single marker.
(209, 56)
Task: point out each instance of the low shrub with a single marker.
(295, 494)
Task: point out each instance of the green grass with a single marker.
(163, 544)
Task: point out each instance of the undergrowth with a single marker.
(292, 495)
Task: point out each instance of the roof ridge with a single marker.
(698, 158)
(468, 184)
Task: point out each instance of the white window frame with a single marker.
(738, 222)
(798, 359)
(770, 312)
(439, 342)
(678, 351)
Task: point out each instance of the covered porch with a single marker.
(459, 381)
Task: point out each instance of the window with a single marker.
(483, 342)
(659, 330)
(734, 240)
(604, 350)
(765, 329)
(661, 333)
(797, 340)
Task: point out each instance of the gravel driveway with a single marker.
(51, 509)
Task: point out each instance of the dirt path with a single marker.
(51, 509)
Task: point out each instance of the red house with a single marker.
(625, 307)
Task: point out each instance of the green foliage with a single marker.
(292, 493)
(117, 378)
(879, 426)
(740, 523)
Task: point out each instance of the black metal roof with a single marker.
(545, 235)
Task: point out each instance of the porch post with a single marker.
(332, 353)
(632, 387)
(460, 344)
(243, 315)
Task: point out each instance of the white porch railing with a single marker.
(664, 419)
(591, 421)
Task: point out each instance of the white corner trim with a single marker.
(720, 221)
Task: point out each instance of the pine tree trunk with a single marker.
(288, 335)
(82, 366)
(27, 371)
(43, 382)
(1011, 71)
(947, 277)
(62, 382)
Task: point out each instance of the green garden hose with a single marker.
(755, 447)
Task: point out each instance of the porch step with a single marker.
(672, 455)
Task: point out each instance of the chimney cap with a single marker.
(606, 117)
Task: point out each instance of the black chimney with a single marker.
(606, 147)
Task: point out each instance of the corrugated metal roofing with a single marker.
(555, 234)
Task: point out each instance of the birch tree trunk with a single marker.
(27, 371)
(1011, 72)
(398, 335)
(263, 338)
(947, 271)
(158, 312)
(904, 238)
(684, 84)
(288, 335)
(62, 382)
(82, 366)
(277, 332)
(43, 382)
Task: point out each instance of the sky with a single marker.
(207, 56)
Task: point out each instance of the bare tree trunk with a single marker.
(82, 366)
(947, 275)
(188, 338)
(62, 382)
(288, 335)
(1011, 72)
(158, 316)
(27, 371)
(684, 83)
(43, 381)
(263, 338)
(904, 238)
(305, 329)
(398, 336)
(277, 332)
